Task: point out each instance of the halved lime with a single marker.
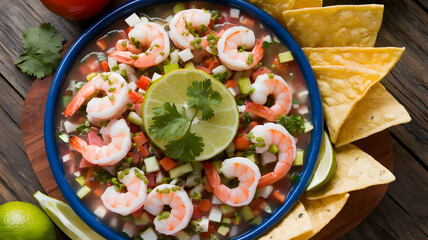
(326, 165)
(217, 132)
(65, 218)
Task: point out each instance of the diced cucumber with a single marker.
(91, 75)
(223, 230)
(253, 158)
(135, 119)
(256, 221)
(197, 190)
(66, 100)
(220, 69)
(226, 220)
(200, 225)
(151, 164)
(285, 57)
(308, 126)
(227, 210)
(189, 65)
(64, 137)
(273, 149)
(83, 192)
(100, 211)
(246, 213)
(149, 234)
(180, 170)
(182, 235)
(197, 166)
(266, 191)
(215, 214)
(81, 180)
(179, 7)
(244, 84)
(217, 165)
(143, 220)
(170, 67)
(173, 57)
(299, 158)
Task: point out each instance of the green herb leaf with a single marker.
(203, 97)
(168, 122)
(186, 147)
(293, 123)
(41, 55)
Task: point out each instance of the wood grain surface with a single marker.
(401, 214)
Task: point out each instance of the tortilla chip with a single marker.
(322, 211)
(355, 170)
(274, 7)
(377, 111)
(296, 223)
(380, 59)
(341, 88)
(307, 4)
(335, 26)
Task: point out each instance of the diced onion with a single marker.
(132, 20)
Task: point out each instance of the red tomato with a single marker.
(75, 9)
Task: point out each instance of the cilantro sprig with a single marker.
(174, 125)
(295, 124)
(41, 55)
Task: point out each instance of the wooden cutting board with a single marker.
(360, 203)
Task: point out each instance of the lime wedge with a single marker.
(65, 218)
(326, 165)
(217, 132)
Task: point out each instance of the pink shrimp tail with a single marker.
(273, 176)
(86, 91)
(258, 50)
(77, 143)
(122, 56)
(260, 111)
(212, 175)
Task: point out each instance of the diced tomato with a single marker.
(135, 157)
(98, 191)
(211, 230)
(231, 83)
(135, 97)
(204, 205)
(134, 128)
(128, 30)
(203, 69)
(140, 139)
(143, 82)
(94, 139)
(90, 179)
(152, 180)
(138, 213)
(168, 163)
(105, 66)
(280, 197)
(143, 151)
(196, 212)
(244, 20)
(91, 65)
(241, 143)
(211, 63)
(208, 187)
(137, 108)
(102, 45)
(279, 66)
(259, 72)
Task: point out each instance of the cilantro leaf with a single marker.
(293, 123)
(41, 55)
(168, 122)
(202, 97)
(186, 147)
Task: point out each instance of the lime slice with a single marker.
(65, 218)
(217, 132)
(326, 165)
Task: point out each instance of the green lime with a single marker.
(21, 220)
(217, 132)
(65, 218)
(326, 165)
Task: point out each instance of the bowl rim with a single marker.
(125, 10)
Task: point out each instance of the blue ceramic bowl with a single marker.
(124, 11)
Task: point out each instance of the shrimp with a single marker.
(126, 45)
(247, 173)
(125, 203)
(239, 59)
(265, 85)
(187, 26)
(169, 223)
(273, 133)
(110, 106)
(148, 35)
(116, 134)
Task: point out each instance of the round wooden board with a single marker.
(360, 203)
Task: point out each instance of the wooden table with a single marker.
(403, 212)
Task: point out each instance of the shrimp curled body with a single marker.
(181, 208)
(129, 202)
(247, 173)
(118, 136)
(273, 133)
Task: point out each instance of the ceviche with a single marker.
(184, 121)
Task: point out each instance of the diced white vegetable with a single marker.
(130, 72)
(215, 214)
(234, 231)
(132, 86)
(168, 19)
(185, 55)
(234, 13)
(129, 229)
(303, 110)
(156, 76)
(197, 189)
(144, 19)
(267, 157)
(151, 164)
(66, 157)
(296, 105)
(141, 91)
(111, 62)
(230, 148)
(190, 181)
(215, 201)
(143, 220)
(149, 234)
(308, 126)
(241, 108)
(159, 177)
(195, 237)
(219, 69)
(100, 211)
(132, 20)
(267, 38)
(182, 235)
(232, 90)
(302, 95)
(201, 225)
(77, 173)
(173, 57)
(266, 191)
(70, 127)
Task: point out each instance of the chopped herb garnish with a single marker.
(115, 68)
(135, 42)
(111, 97)
(250, 58)
(293, 123)
(246, 118)
(124, 43)
(135, 57)
(111, 89)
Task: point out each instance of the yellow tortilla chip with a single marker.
(274, 7)
(322, 211)
(355, 170)
(296, 223)
(377, 111)
(380, 59)
(335, 26)
(307, 4)
(341, 88)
